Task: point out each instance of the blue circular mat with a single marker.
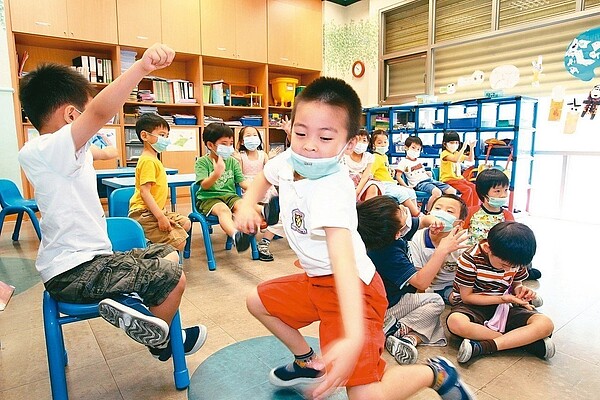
(19, 272)
(241, 372)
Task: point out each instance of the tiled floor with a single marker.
(105, 364)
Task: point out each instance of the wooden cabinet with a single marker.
(181, 25)
(139, 22)
(66, 19)
(295, 33)
(234, 29)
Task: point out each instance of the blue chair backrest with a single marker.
(118, 202)
(9, 193)
(125, 233)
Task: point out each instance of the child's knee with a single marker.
(450, 190)
(544, 324)
(456, 323)
(436, 192)
(187, 224)
(173, 256)
(254, 303)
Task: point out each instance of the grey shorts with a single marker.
(142, 271)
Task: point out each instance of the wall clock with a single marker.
(358, 69)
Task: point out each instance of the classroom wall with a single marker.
(9, 166)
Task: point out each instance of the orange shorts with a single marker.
(299, 300)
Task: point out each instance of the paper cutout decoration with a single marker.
(556, 104)
(572, 118)
(537, 71)
(592, 102)
(105, 137)
(504, 77)
(583, 55)
(476, 78)
(448, 89)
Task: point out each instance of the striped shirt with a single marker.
(475, 271)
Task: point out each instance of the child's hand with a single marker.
(164, 224)
(510, 298)
(524, 293)
(455, 240)
(436, 226)
(286, 125)
(340, 358)
(246, 218)
(156, 57)
(219, 166)
(274, 152)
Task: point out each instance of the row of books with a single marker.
(96, 70)
(172, 90)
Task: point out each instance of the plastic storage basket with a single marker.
(284, 91)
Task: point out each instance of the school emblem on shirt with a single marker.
(450, 266)
(298, 222)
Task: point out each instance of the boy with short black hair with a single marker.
(147, 205)
(493, 311)
(417, 177)
(340, 287)
(75, 260)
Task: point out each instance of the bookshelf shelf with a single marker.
(147, 103)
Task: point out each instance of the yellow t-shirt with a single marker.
(380, 168)
(149, 169)
(449, 169)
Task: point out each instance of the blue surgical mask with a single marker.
(251, 142)
(498, 202)
(224, 151)
(315, 168)
(161, 144)
(381, 149)
(447, 219)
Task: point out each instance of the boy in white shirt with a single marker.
(75, 259)
(417, 177)
(339, 286)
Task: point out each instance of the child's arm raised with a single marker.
(342, 355)
(110, 100)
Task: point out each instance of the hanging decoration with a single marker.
(583, 55)
(504, 77)
(556, 104)
(592, 102)
(537, 67)
(572, 118)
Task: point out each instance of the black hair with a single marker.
(49, 87)
(240, 145)
(488, 179)
(216, 131)
(364, 132)
(512, 242)
(450, 136)
(148, 123)
(334, 92)
(413, 139)
(376, 132)
(464, 209)
(378, 221)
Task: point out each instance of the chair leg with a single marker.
(188, 243)
(180, 371)
(254, 248)
(35, 222)
(229, 243)
(55, 349)
(15, 235)
(2, 214)
(210, 256)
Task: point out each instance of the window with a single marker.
(459, 18)
(591, 4)
(513, 12)
(406, 26)
(406, 77)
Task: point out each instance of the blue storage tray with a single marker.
(185, 121)
(462, 123)
(251, 121)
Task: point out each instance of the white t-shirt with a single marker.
(307, 206)
(73, 224)
(413, 170)
(421, 249)
(358, 167)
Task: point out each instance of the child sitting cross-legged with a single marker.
(412, 318)
(493, 312)
(360, 163)
(417, 177)
(451, 210)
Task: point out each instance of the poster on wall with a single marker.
(504, 77)
(182, 139)
(104, 138)
(582, 56)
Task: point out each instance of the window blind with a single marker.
(406, 26)
(459, 18)
(591, 4)
(406, 78)
(513, 12)
(458, 63)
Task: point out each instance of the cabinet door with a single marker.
(139, 22)
(281, 32)
(308, 35)
(217, 27)
(101, 28)
(47, 17)
(181, 25)
(251, 30)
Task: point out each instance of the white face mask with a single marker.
(451, 147)
(407, 224)
(360, 147)
(414, 154)
(381, 149)
(251, 142)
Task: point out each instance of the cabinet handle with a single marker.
(42, 23)
(221, 48)
(142, 37)
(284, 59)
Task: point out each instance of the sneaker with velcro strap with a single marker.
(241, 241)
(402, 349)
(193, 339)
(138, 323)
(293, 374)
(447, 382)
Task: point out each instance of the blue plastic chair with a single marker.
(422, 197)
(12, 202)
(124, 234)
(206, 223)
(118, 202)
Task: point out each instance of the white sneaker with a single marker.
(402, 349)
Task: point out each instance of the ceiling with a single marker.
(344, 2)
